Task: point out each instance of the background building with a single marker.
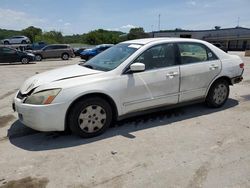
(237, 38)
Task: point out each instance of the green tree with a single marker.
(50, 37)
(137, 33)
(101, 36)
(32, 32)
(4, 33)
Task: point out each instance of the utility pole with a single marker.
(238, 22)
(159, 22)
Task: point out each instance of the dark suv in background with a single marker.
(54, 51)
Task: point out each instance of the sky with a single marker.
(81, 16)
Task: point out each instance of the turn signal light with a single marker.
(242, 65)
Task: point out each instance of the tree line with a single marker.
(99, 36)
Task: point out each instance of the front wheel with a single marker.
(90, 117)
(38, 57)
(25, 60)
(218, 94)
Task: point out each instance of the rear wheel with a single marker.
(90, 117)
(65, 56)
(25, 60)
(218, 94)
(6, 42)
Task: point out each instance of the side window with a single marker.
(8, 51)
(61, 47)
(46, 48)
(49, 48)
(192, 53)
(158, 56)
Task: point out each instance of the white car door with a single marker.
(158, 85)
(14, 40)
(199, 66)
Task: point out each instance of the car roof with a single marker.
(7, 47)
(19, 36)
(58, 45)
(163, 39)
(104, 45)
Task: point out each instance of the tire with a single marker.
(38, 57)
(24, 42)
(24, 60)
(6, 42)
(218, 94)
(90, 117)
(65, 56)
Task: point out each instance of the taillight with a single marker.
(242, 65)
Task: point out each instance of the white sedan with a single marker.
(133, 77)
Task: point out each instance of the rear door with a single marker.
(199, 66)
(60, 49)
(158, 85)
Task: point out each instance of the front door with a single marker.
(158, 85)
(9, 55)
(199, 66)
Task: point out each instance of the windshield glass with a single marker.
(112, 57)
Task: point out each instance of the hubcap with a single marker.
(38, 58)
(65, 56)
(220, 94)
(92, 118)
(24, 60)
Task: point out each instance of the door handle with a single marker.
(172, 74)
(213, 67)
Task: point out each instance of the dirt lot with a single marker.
(187, 147)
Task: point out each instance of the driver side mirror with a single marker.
(137, 67)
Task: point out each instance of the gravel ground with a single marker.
(192, 146)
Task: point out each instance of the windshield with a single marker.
(112, 57)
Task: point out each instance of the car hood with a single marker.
(56, 75)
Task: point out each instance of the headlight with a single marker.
(42, 97)
(30, 54)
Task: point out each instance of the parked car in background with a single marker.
(89, 53)
(54, 51)
(219, 45)
(9, 55)
(78, 51)
(16, 40)
(36, 46)
(131, 78)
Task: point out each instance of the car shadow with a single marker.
(16, 63)
(37, 141)
(55, 59)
